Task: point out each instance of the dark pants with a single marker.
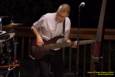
(54, 60)
(57, 65)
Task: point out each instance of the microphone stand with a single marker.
(78, 39)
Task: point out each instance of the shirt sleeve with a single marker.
(67, 27)
(39, 23)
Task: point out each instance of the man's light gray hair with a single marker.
(64, 7)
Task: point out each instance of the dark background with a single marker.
(28, 11)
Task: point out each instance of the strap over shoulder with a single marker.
(64, 27)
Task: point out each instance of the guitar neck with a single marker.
(65, 44)
(56, 45)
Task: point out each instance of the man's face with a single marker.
(62, 12)
(60, 17)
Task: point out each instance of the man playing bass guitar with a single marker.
(48, 27)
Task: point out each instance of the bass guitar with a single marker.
(40, 51)
(55, 43)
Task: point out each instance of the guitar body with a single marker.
(40, 51)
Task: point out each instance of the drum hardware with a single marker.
(15, 53)
(8, 47)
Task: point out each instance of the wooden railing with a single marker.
(76, 63)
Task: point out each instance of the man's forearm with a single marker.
(66, 36)
(37, 34)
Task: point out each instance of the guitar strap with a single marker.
(64, 27)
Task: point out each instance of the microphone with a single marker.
(82, 4)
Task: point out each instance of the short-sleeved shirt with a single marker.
(49, 28)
